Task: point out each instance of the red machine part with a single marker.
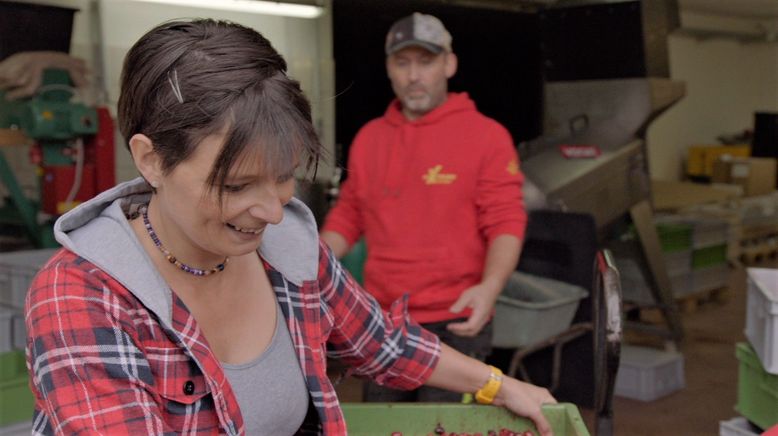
(98, 174)
(56, 183)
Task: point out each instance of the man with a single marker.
(435, 188)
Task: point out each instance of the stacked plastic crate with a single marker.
(676, 241)
(757, 395)
(759, 221)
(16, 272)
(710, 242)
(753, 225)
(696, 246)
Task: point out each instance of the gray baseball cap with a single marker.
(419, 30)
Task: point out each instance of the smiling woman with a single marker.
(198, 297)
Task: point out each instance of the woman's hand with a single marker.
(525, 399)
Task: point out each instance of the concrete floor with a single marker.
(710, 368)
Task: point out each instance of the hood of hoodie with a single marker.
(99, 231)
(455, 102)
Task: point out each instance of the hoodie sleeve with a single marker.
(345, 217)
(499, 196)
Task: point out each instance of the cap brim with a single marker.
(434, 48)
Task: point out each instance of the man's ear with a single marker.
(147, 161)
(451, 65)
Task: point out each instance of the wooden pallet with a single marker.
(756, 250)
(687, 304)
(692, 302)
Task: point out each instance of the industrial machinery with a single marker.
(71, 146)
(593, 159)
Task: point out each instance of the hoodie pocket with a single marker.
(395, 271)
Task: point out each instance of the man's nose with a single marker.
(413, 72)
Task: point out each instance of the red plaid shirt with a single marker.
(101, 363)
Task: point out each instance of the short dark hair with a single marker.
(185, 80)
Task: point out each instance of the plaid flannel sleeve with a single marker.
(386, 346)
(87, 373)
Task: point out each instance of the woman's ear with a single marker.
(147, 161)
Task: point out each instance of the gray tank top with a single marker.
(270, 389)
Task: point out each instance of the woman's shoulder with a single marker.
(67, 277)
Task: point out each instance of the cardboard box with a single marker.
(757, 175)
(701, 158)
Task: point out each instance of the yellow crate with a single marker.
(700, 158)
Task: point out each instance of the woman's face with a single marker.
(193, 217)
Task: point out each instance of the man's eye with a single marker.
(234, 188)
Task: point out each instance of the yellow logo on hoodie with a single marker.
(435, 177)
(513, 167)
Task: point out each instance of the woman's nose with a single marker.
(269, 208)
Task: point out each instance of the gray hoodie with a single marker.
(98, 231)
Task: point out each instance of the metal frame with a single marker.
(606, 326)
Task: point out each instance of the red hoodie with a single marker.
(429, 195)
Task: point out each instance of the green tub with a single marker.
(16, 401)
(382, 419)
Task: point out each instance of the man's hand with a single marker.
(501, 259)
(21, 73)
(480, 298)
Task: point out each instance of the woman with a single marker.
(198, 298)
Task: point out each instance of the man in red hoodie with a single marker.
(434, 187)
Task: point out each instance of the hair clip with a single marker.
(174, 84)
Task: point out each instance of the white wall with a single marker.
(726, 82)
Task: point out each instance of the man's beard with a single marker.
(418, 104)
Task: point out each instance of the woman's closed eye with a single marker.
(235, 188)
(285, 177)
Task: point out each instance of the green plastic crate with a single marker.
(16, 401)
(757, 390)
(411, 419)
(709, 256)
(675, 237)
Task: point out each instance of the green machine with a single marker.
(72, 148)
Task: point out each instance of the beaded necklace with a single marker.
(172, 259)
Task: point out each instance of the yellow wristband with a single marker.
(486, 394)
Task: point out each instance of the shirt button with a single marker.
(189, 387)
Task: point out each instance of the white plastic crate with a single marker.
(12, 331)
(712, 277)
(761, 313)
(6, 322)
(738, 426)
(646, 374)
(17, 269)
(532, 308)
(678, 262)
(709, 231)
(19, 333)
(23, 428)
